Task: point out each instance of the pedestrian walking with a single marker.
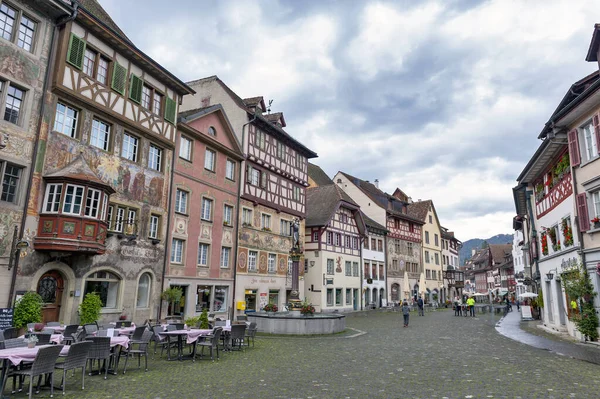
(457, 306)
(405, 312)
(471, 306)
(420, 306)
(518, 305)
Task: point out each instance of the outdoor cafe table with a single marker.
(54, 338)
(191, 337)
(125, 330)
(18, 355)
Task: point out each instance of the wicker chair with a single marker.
(76, 358)
(220, 323)
(178, 326)
(79, 335)
(13, 343)
(159, 340)
(11, 333)
(138, 333)
(127, 323)
(211, 342)
(53, 324)
(100, 350)
(43, 338)
(119, 324)
(238, 332)
(68, 333)
(90, 329)
(44, 363)
(141, 350)
(251, 333)
(242, 318)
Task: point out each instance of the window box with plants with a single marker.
(266, 229)
(544, 241)
(270, 308)
(567, 233)
(596, 222)
(539, 192)
(562, 168)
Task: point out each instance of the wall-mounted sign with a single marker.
(6, 318)
(369, 281)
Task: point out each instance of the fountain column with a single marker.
(295, 255)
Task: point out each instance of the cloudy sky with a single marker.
(443, 99)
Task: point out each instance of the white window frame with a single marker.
(74, 202)
(330, 267)
(203, 253)
(272, 263)
(230, 170)
(52, 200)
(265, 221)
(252, 255)
(247, 216)
(63, 117)
(228, 215)
(206, 210)
(153, 227)
(91, 210)
(589, 139)
(285, 227)
(210, 159)
(177, 250)
(185, 148)
(144, 302)
(181, 197)
(155, 155)
(225, 257)
(131, 147)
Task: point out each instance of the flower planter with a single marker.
(31, 345)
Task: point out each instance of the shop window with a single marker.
(143, 294)
(106, 284)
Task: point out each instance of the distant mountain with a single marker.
(475, 243)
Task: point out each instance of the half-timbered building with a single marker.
(333, 235)
(374, 270)
(97, 214)
(26, 43)
(402, 245)
(204, 203)
(272, 190)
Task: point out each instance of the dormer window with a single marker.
(212, 131)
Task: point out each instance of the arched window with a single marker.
(143, 293)
(375, 301)
(107, 285)
(212, 131)
(367, 297)
(395, 292)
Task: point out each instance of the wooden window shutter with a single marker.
(574, 148)
(596, 123)
(119, 78)
(76, 51)
(582, 212)
(249, 173)
(170, 110)
(263, 179)
(135, 88)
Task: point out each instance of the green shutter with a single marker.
(119, 78)
(76, 51)
(135, 88)
(170, 109)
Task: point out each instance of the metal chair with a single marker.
(238, 332)
(76, 358)
(13, 343)
(220, 323)
(138, 333)
(79, 335)
(102, 333)
(158, 339)
(44, 363)
(251, 333)
(53, 324)
(68, 333)
(212, 342)
(142, 350)
(178, 326)
(100, 350)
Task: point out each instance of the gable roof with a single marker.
(91, 14)
(193, 114)
(382, 198)
(371, 224)
(274, 129)
(321, 203)
(318, 175)
(255, 102)
(276, 117)
(499, 251)
(79, 170)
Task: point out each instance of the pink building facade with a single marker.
(204, 200)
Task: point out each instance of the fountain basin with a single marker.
(296, 324)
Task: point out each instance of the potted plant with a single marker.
(89, 310)
(38, 327)
(567, 233)
(271, 307)
(172, 295)
(539, 192)
(192, 321)
(123, 317)
(596, 222)
(28, 309)
(544, 240)
(31, 340)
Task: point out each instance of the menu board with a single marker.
(6, 318)
(526, 313)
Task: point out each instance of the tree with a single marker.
(578, 287)
(484, 244)
(89, 310)
(172, 295)
(28, 309)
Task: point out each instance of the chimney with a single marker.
(473, 252)
(377, 183)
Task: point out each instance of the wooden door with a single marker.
(50, 288)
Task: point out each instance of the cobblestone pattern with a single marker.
(437, 356)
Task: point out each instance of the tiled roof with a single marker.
(276, 117)
(321, 203)
(253, 101)
(419, 210)
(381, 198)
(371, 223)
(318, 175)
(238, 100)
(499, 251)
(94, 8)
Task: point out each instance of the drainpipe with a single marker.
(237, 224)
(168, 228)
(579, 232)
(49, 70)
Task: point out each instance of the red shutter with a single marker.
(574, 148)
(582, 212)
(596, 122)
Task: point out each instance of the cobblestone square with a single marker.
(437, 356)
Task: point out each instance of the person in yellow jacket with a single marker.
(471, 305)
